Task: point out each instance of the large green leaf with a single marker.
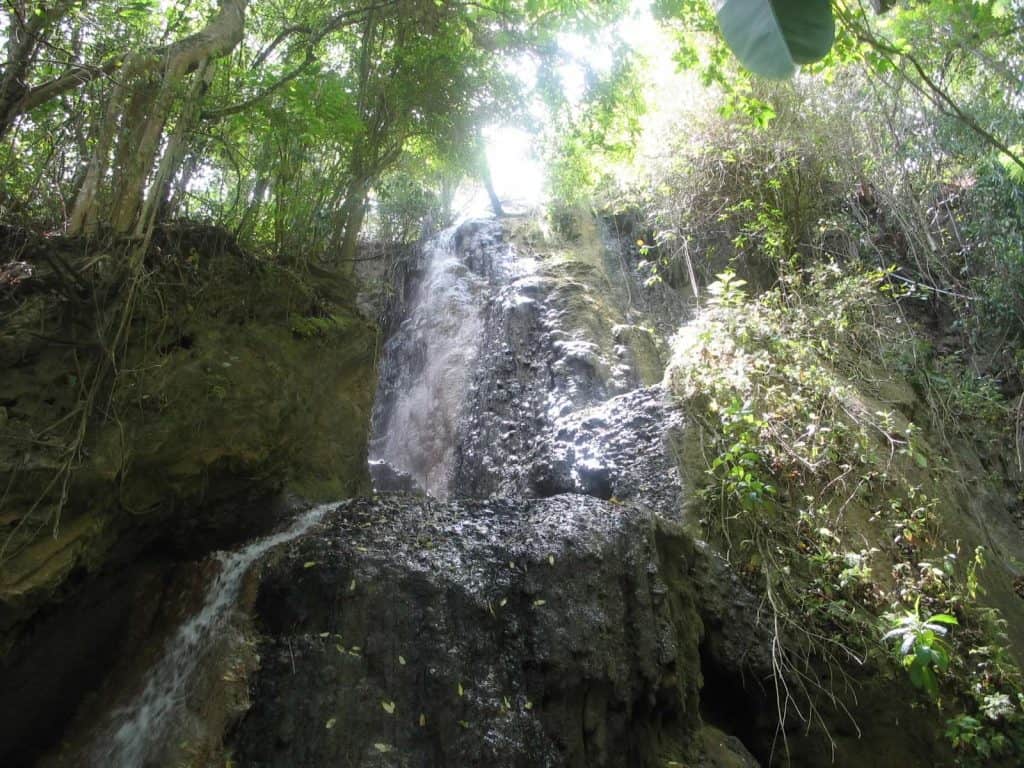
(771, 37)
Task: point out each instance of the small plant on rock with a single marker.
(922, 648)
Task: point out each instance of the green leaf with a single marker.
(771, 37)
(808, 28)
(941, 618)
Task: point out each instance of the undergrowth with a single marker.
(831, 502)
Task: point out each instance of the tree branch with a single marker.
(234, 109)
(935, 91)
(220, 35)
(75, 78)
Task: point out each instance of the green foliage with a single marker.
(922, 650)
(299, 126)
(740, 467)
(590, 138)
(727, 290)
(846, 238)
(314, 327)
(813, 493)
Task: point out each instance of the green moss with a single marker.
(311, 327)
(239, 379)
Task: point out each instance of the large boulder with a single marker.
(558, 631)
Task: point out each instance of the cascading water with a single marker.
(429, 363)
(137, 731)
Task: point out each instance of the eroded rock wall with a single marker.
(237, 381)
(414, 632)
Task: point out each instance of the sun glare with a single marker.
(513, 152)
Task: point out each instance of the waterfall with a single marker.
(137, 731)
(429, 363)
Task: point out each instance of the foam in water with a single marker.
(138, 730)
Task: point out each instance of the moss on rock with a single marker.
(237, 379)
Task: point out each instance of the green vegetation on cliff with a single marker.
(853, 254)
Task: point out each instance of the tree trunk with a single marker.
(174, 153)
(153, 81)
(83, 214)
(484, 169)
(485, 173)
(252, 210)
(352, 213)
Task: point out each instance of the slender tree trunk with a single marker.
(353, 211)
(252, 211)
(484, 169)
(449, 186)
(485, 174)
(83, 214)
(177, 191)
(141, 134)
(174, 153)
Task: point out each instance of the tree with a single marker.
(276, 120)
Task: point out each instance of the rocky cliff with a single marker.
(230, 382)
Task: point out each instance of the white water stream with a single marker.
(138, 730)
(443, 330)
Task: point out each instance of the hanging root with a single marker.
(807, 665)
(97, 382)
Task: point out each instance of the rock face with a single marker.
(555, 341)
(544, 615)
(503, 339)
(511, 630)
(617, 449)
(238, 380)
(556, 631)
(548, 605)
(388, 479)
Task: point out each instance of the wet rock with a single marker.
(492, 632)
(388, 479)
(566, 336)
(619, 448)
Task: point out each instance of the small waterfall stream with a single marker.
(138, 730)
